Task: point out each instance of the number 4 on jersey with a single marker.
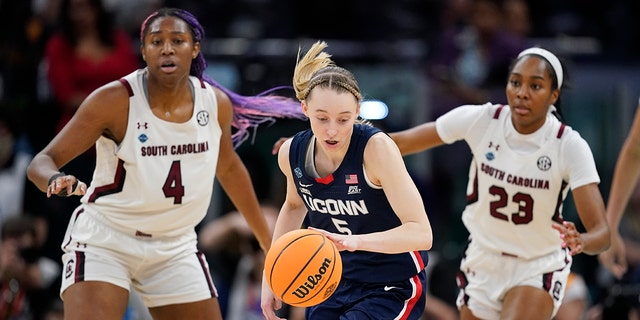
(173, 187)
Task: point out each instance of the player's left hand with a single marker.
(342, 242)
(570, 236)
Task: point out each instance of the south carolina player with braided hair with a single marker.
(525, 160)
(348, 179)
(162, 135)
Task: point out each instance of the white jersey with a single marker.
(517, 183)
(158, 181)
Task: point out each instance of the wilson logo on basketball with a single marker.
(303, 267)
(312, 280)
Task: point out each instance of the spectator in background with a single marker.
(21, 44)
(16, 274)
(128, 14)
(15, 156)
(517, 19)
(85, 53)
(23, 271)
(470, 61)
(13, 165)
(31, 229)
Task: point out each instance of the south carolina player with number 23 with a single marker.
(525, 160)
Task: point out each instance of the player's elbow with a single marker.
(424, 236)
(428, 240)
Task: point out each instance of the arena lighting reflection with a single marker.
(373, 109)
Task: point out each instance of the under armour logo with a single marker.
(143, 125)
(495, 146)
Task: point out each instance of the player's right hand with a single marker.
(61, 185)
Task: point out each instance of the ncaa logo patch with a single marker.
(544, 163)
(490, 156)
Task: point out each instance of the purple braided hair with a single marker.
(248, 111)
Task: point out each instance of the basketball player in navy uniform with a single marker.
(350, 181)
(525, 160)
(162, 135)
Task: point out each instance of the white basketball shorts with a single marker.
(486, 276)
(163, 271)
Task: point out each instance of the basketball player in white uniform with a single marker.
(165, 179)
(525, 160)
(162, 134)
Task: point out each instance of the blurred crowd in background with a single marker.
(421, 57)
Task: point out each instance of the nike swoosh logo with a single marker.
(304, 185)
(387, 288)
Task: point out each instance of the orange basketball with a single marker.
(303, 268)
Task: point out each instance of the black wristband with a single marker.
(56, 176)
(65, 193)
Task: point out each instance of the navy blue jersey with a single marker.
(343, 202)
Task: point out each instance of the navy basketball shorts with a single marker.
(356, 300)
